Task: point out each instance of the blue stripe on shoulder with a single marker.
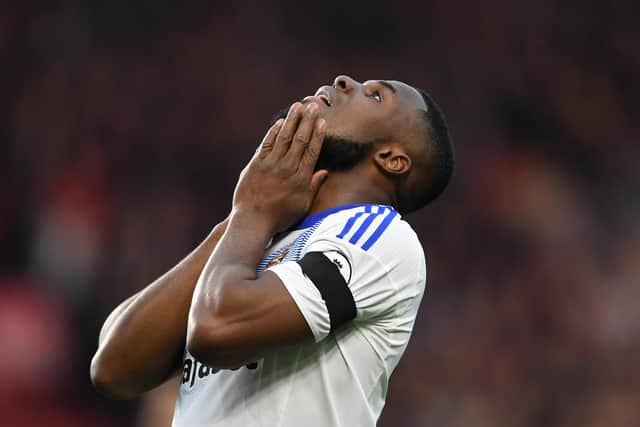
(365, 224)
(351, 221)
(381, 228)
(319, 216)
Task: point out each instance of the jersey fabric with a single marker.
(339, 378)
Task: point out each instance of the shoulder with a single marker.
(377, 230)
(377, 253)
(377, 241)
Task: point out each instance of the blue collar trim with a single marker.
(319, 216)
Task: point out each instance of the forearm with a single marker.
(236, 315)
(220, 290)
(238, 254)
(114, 315)
(142, 341)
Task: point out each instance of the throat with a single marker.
(344, 188)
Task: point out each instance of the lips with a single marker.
(324, 94)
(324, 98)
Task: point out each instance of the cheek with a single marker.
(360, 124)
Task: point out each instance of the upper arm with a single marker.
(380, 277)
(258, 316)
(298, 301)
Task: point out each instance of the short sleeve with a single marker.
(373, 290)
(381, 277)
(306, 296)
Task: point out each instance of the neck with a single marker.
(343, 188)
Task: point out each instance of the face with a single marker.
(361, 115)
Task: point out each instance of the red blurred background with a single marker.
(124, 125)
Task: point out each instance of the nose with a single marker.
(344, 83)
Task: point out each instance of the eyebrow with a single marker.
(387, 85)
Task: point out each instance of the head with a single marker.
(389, 127)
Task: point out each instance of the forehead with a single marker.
(404, 110)
(409, 94)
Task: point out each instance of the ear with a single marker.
(393, 159)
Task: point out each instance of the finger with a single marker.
(303, 135)
(266, 146)
(311, 154)
(287, 130)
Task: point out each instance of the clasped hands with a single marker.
(279, 184)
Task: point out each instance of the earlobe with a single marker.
(393, 160)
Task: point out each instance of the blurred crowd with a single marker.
(124, 126)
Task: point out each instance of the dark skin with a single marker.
(373, 110)
(213, 300)
(142, 341)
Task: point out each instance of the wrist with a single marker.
(253, 219)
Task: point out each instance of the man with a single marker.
(308, 331)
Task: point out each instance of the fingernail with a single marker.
(322, 124)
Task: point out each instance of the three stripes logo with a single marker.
(372, 222)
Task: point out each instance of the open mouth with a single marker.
(324, 99)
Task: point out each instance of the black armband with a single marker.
(334, 289)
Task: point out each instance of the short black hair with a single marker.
(443, 158)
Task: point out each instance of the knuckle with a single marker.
(267, 144)
(284, 135)
(301, 139)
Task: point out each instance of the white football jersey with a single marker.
(341, 377)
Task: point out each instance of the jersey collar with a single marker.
(319, 216)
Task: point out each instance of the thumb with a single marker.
(316, 181)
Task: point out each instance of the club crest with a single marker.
(280, 256)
